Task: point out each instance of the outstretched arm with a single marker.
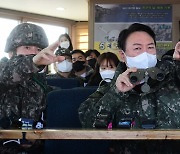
(20, 68)
(176, 57)
(47, 56)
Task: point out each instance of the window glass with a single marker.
(5, 28)
(53, 33)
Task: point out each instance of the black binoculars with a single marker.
(153, 72)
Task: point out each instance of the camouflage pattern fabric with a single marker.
(89, 72)
(71, 75)
(58, 75)
(21, 95)
(161, 104)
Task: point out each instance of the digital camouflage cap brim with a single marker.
(26, 34)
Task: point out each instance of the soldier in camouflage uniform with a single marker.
(22, 87)
(82, 70)
(63, 69)
(149, 103)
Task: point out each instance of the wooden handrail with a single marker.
(92, 134)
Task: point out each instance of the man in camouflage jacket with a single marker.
(80, 67)
(23, 89)
(158, 107)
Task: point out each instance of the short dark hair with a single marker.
(69, 39)
(78, 51)
(88, 52)
(109, 56)
(134, 28)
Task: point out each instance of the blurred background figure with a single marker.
(91, 57)
(64, 68)
(104, 70)
(23, 87)
(80, 66)
(65, 42)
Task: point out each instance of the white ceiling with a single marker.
(74, 9)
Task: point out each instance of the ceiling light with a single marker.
(60, 9)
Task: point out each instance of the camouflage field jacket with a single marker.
(161, 103)
(21, 91)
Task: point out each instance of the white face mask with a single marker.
(64, 66)
(142, 61)
(107, 75)
(43, 71)
(65, 44)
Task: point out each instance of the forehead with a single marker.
(24, 46)
(92, 54)
(106, 62)
(76, 55)
(63, 38)
(67, 56)
(140, 38)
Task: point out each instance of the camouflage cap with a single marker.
(63, 52)
(26, 34)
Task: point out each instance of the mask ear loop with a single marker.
(125, 57)
(103, 80)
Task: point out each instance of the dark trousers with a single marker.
(146, 147)
(13, 148)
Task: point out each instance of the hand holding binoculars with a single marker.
(153, 72)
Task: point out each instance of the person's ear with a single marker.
(122, 56)
(10, 54)
(86, 62)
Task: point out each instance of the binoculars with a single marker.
(153, 72)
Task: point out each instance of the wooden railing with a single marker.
(62, 134)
